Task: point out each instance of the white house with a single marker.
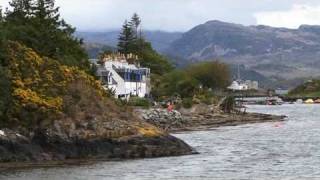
(243, 86)
(252, 84)
(123, 78)
(238, 86)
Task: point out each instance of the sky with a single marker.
(182, 15)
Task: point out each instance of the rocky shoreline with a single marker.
(43, 148)
(201, 117)
(72, 143)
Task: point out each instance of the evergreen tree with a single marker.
(131, 42)
(135, 23)
(37, 24)
(126, 39)
(20, 14)
(1, 15)
(22, 7)
(5, 93)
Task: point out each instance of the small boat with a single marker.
(309, 101)
(299, 101)
(317, 101)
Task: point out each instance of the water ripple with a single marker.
(287, 151)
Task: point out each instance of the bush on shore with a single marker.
(196, 82)
(139, 102)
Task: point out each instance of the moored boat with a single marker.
(299, 101)
(309, 101)
(317, 101)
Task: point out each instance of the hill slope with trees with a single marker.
(51, 107)
(307, 89)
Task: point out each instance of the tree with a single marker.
(20, 7)
(148, 57)
(187, 82)
(176, 82)
(131, 42)
(5, 93)
(135, 23)
(1, 15)
(37, 24)
(126, 39)
(37, 90)
(214, 75)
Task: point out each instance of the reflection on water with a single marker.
(288, 150)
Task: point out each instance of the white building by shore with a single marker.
(123, 78)
(244, 86)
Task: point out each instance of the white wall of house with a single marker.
(138, 89)
(120, 86)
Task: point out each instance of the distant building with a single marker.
(239, 85)
(123, 78)
(252, 85)
(244, 86)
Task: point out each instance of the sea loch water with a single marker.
(287, 150)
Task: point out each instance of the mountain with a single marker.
(273, 52)
(160, 39)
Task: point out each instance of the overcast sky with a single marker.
(182, 15)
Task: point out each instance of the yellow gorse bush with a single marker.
(39, 84)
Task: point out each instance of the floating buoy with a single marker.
(278, 125)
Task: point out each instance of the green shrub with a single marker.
(176, 82)
(228, 104)
(206, 98)
(5, 93)
(215, 75)
(187, 102)
(140, 102)
(196, 79)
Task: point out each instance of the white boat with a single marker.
(299, 101)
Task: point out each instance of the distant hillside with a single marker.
(308, 89)
(273, 52)
(160, 40)
(94, 49)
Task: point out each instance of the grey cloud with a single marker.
(170, 15)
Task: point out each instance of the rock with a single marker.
(162, 117)
(48, 145)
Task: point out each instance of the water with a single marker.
(289, 150)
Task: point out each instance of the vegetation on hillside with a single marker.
(44, 72)
(194, 80)
(198, 81)
(132, 41)
(37, 24)
(43, 90)
(308, 89)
